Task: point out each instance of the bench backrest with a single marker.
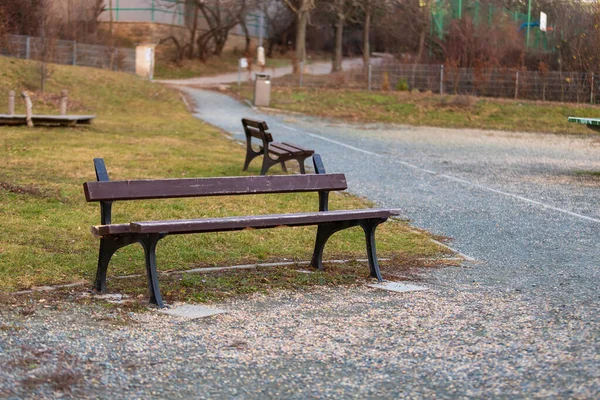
(236, 185)
(257, 129)
(106, 191)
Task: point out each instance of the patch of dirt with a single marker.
(28, 190)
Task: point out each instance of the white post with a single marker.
(63, 102)
(11, 102)
(28, 109)
(260, 33)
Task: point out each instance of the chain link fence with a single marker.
(68, 52)
(576, 87)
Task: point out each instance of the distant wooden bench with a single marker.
(148, 233)
(281, 151)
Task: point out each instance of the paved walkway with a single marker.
(317, 68)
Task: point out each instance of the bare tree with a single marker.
(302, 9)
(279, 19)
(208, 38)
(342, 9)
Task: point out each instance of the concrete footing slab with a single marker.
(192, 311)
(399, 287)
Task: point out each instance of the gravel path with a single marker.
(521, 321)
(352, 343)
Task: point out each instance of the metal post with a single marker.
(27, 48)
(74, 52)
(592, 90)
(517, 86)
(459, 9)
(260, 33)
(370, 75)
(442, 79)
(11, 102)
(528, 21)
(301, 72)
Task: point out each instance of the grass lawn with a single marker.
(429, 109)
(143, 130)
(227, 62)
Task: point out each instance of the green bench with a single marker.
(592, 123)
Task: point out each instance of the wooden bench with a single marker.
(281, 151)
(148, 233)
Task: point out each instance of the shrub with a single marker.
(402, 85)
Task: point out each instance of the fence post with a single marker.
(74, 52)
(301, 72)
(27, 48)
(370, 75)
(592, 90)
(11, 102)
(517, 86)
(442, 80)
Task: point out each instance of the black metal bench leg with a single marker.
(324, 232)
(249, 157)
(267, 163)
(149, 243)
(301, 163)
(369, 227)
(108, 247)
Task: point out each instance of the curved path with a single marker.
(516, 202)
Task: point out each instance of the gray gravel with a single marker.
(332, 343)
(521, 321)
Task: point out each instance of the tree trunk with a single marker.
(366, 38)
(193, 33)
(302, 22)
(110, 23)
(246, 34)
(339, 37)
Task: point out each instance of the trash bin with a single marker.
(262, 90)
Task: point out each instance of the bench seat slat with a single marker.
(174, 188)
(305, 151)
(112, 229)
(257, 221)
(289, 148)
(273, 149)
(242, 222)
